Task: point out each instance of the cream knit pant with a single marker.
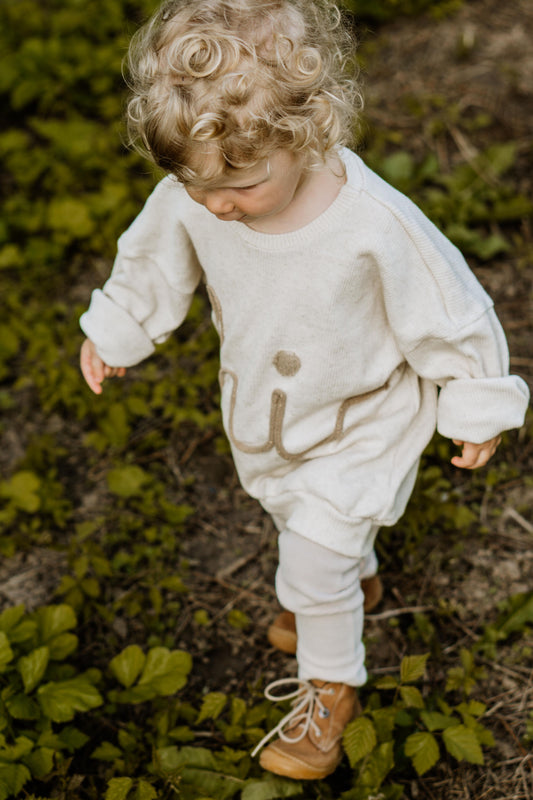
(323, 590)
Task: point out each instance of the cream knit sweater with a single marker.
(332, 336)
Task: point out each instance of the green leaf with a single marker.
(106, 751)
(72, 739)
(126, 667)
(238, 619)
(165, 671)
(521, 615)
(62, 646)
(473, 707)
(411, 697)
(212, 706)
(200, 768)
(498, 158)
(60, 700)
(53, 620)
(423, 750)
(40, 761)
(20, 706)
(16, 751)
(6, 653)
(398, 168)
(71, 215)
(359, 739)
(118, 788)
(145, 791)
(22, 489)
(435, 721)
(14, 776)
(10, 616)
(387, 682)
(462, 744)
(32, 667)
(384, 719)
(376, 768)
(127, 481)
(271, 788)
(413, 668)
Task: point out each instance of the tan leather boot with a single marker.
(282, 632)
(309, 744)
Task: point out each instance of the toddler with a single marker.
(350, 327)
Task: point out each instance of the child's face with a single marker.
(267, 189)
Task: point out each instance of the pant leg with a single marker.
(322, 588)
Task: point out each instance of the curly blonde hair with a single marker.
(224, 83)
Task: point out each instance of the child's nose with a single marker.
(218, 203)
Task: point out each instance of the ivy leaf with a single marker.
(212, 706)
(54, 620)
(20, 706)
(62, 646)
(6, 653)
(14, 776)
(165, 671)
(22, 489)
(127, 666)
(387, 682)
(398, 168)
(16, 751)
(127, 481)
(40, 761)
(23, 631)
(462, 744)
(70, 215)
(423, 750)
(520, 616)
(106, 751)
(435, 721)
(238, 710)
(384, 719)
(118, 788)
(60, 700)
(32, 667)
(200, 768)
(359, 739)
(376, 768)
(10, 616)
(271, 788)
(72, 739)
(413, 668)
(145, 791)
(411, 697)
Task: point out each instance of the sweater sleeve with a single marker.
(150, 290)
(446, 328)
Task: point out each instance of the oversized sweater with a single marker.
(364, 328)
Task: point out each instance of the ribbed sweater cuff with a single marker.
(119, 340)
(476, 410)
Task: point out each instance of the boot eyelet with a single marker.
(323, 713)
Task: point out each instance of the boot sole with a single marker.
(290, 767)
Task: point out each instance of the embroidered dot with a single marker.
(286, 363)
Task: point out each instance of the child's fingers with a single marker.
(114, 372)
(92, 367)
(473, 455)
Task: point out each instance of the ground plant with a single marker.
(135, 582)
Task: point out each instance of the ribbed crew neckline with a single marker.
(325, 222)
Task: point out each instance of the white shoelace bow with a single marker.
(303, 699)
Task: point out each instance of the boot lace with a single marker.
(304, 699)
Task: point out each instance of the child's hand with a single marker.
(475, 455)
(94, 369)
